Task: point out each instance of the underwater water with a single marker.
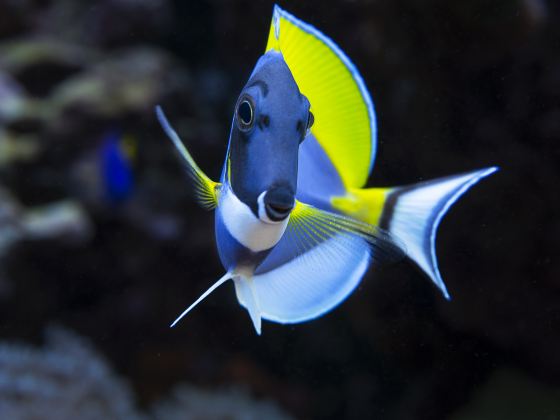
(102, 245)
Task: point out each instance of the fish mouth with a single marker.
(277, 203)
(278, 212)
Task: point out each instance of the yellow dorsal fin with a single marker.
(344, 115)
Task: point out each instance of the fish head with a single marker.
(270, 121)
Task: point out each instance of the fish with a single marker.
(115, 160)
(295, 225)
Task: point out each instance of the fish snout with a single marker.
(276, 204)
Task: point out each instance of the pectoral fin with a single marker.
(311, 226)
(206, 190)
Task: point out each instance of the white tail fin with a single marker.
(413, 214)
(222, 280)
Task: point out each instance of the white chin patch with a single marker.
(256, 233)
(262, 211)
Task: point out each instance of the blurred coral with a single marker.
(63, 220)
(190, 403)
(66, 379)
(126, 81)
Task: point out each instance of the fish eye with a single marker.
(245, 114)
(310, 120)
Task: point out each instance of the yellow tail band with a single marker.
(365, 205)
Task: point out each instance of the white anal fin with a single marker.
(245, 290)
(314, 282)
(319, 261)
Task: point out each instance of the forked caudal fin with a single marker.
(413, 214)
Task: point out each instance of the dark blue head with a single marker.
(271, 119)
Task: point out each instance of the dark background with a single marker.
(457, 86)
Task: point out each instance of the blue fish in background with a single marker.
(116, 167)
(295, 228)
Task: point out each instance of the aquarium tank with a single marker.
(293, 210)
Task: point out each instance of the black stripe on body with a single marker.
(389, 207)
